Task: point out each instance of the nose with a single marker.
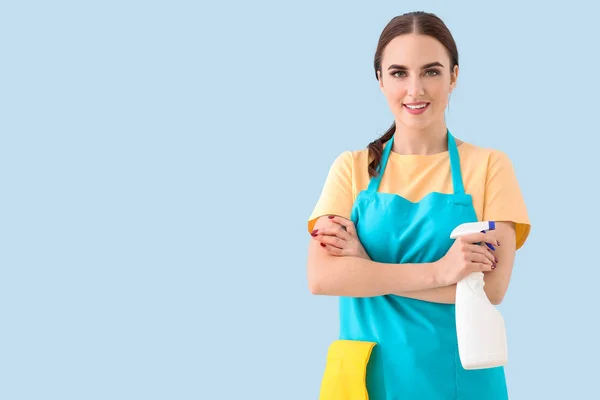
(415, 88)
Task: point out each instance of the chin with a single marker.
(416, 123)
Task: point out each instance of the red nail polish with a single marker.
(498, 242)
(331, 216)
(322, 244)
(313, 234)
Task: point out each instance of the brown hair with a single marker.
(418, 22)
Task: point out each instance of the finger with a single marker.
(346, 223)
(333, 230)
(335, 251)
(480, 258)
(330, 240)
(487, 237)
(489, 246)
(481, 267)
(481, 249)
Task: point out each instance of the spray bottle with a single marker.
(479, 325)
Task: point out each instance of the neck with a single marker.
(426, 141)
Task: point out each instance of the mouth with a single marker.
(416, 108)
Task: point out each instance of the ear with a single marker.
(453, 78)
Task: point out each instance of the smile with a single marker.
(416, 108)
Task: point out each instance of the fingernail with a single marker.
(490, 246)
(495, 260)
(498, 242)
(322, 244)
(314, 233)
(331, 216)
(493, 266)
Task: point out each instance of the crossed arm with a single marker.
(331, 273)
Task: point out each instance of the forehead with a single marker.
(414, 50)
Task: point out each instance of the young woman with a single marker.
(381, 230)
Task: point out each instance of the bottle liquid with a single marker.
(479, 325)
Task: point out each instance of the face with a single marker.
(416, 80)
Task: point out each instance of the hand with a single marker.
(467, 255)
(339, 238)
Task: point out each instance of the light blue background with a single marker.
(159, 159)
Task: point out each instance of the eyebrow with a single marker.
(433, 64)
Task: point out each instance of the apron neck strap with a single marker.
(376, 180)
(457, 181)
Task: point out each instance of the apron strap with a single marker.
(375, 181)
(457, 181)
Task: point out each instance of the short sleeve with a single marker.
(337, 195)
(503, 200)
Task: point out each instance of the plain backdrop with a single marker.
(159, 161)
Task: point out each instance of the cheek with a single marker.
(439, 94)
(443, 100)
(395, 93)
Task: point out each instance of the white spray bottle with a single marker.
(479, 325)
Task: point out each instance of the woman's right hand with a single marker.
(468, 254)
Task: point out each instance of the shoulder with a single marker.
(350, 160)
(482, 157)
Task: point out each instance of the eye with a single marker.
(402, 74)
(432, 72)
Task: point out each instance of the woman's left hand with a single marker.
(340, 238)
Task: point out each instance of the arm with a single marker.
(359, 277)
(503, 201)
(496, 282)
(444, 294)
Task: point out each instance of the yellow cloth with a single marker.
(346, 371)
(488, 176)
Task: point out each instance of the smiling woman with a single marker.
(380, 233)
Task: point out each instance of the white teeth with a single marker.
(416, 107)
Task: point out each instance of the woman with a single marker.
(381, 232)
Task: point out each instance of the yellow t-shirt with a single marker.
(488, 176)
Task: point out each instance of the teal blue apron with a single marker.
(416, 351)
